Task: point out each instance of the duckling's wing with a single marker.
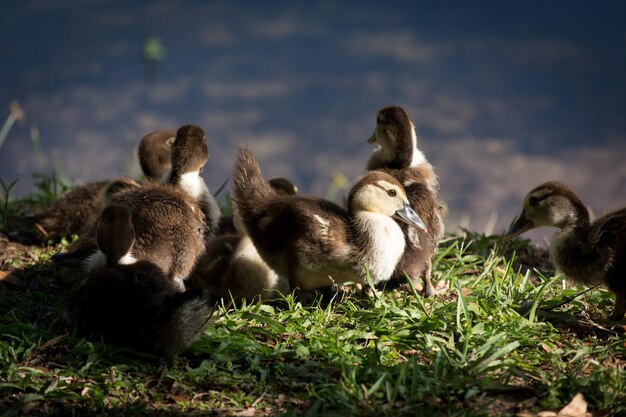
(609, 231)
(420, 184)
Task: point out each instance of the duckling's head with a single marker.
(394, 132)
(189, 150)
(378, 192)
(115, 234)
(550, 204)
(282, 186)
(155, 150)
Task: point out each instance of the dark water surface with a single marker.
(504, 95)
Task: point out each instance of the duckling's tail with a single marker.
(251, 191)
(185, 318)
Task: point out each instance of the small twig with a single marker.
(202, 327)
(570, 298)
(219, 190)
(258, 400)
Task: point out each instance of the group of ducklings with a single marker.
(157, 254)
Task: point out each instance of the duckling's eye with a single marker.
(532, 201)
(392, 193)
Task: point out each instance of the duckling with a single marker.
(315, 243)
(168, 227)
(189, 154)
(148, 314)
(231, 267)
(84, 246)
(132, 306)
(399, 157)
(586, 252)
(155, 150)
(76, 211)
(283, 186)
(166, 216)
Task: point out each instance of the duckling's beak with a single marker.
(372, 138)
(407, 215)
(519, 226)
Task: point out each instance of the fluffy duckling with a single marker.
(155, 150)
(399, 157)
(316, 243)
(77, 211)
(586, 252)
(135, 306)
(85, 245)
(231, 267)
(148, 312)
(167, 217)
(189, 154)
(168, 227)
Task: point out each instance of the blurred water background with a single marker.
(504, 95)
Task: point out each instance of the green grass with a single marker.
(490, 345)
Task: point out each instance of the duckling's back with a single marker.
(169, 228)
(608, 236)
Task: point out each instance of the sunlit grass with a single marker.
(490, 345)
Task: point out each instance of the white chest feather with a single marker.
(418, 158)
(99, 260)
(386, 245)
(194, 185)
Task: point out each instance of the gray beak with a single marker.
(409, 216)
(519, 226)
(372, 138)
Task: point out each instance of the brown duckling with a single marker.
(137, 306)
(77, 210)
(189, 155)
(85, 245)
(315, 243)
(155, 150)
(148, 312)
(168, 227)
(587, 252)
(399, 156)
(166, 216)
(231, 267)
